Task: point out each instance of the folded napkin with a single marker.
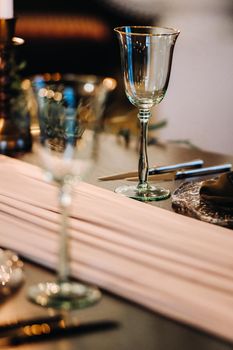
(171, 264)
(219, 191)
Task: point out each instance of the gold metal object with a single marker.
(51, 328)
(118, 176)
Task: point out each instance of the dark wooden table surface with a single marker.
(139, 327)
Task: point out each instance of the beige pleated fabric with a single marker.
(175, 265)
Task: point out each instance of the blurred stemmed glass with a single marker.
(65, 107)
(146, 57)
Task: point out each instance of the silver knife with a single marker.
(179, 175)
(197, 163)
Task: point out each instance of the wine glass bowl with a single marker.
(146, 59)
(66, 106)
(91, 90)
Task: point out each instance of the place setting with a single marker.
(64, 107)
(118, 241)
(146, 57)
(208, 200)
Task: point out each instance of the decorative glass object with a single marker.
(146, 55)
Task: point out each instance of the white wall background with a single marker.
(199, 100)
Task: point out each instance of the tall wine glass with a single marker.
(64, 109)
(146, 57)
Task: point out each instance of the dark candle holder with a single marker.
(15, 136)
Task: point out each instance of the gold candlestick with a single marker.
(15, 134)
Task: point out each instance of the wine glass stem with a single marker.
(143, 165)
(63, 263)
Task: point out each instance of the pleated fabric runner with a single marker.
(175, 265)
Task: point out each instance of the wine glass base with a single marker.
(151, 193)
(64, 296)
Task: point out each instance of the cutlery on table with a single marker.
(197, 163)
(49, 328)
(10, 327)
(179, 175)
